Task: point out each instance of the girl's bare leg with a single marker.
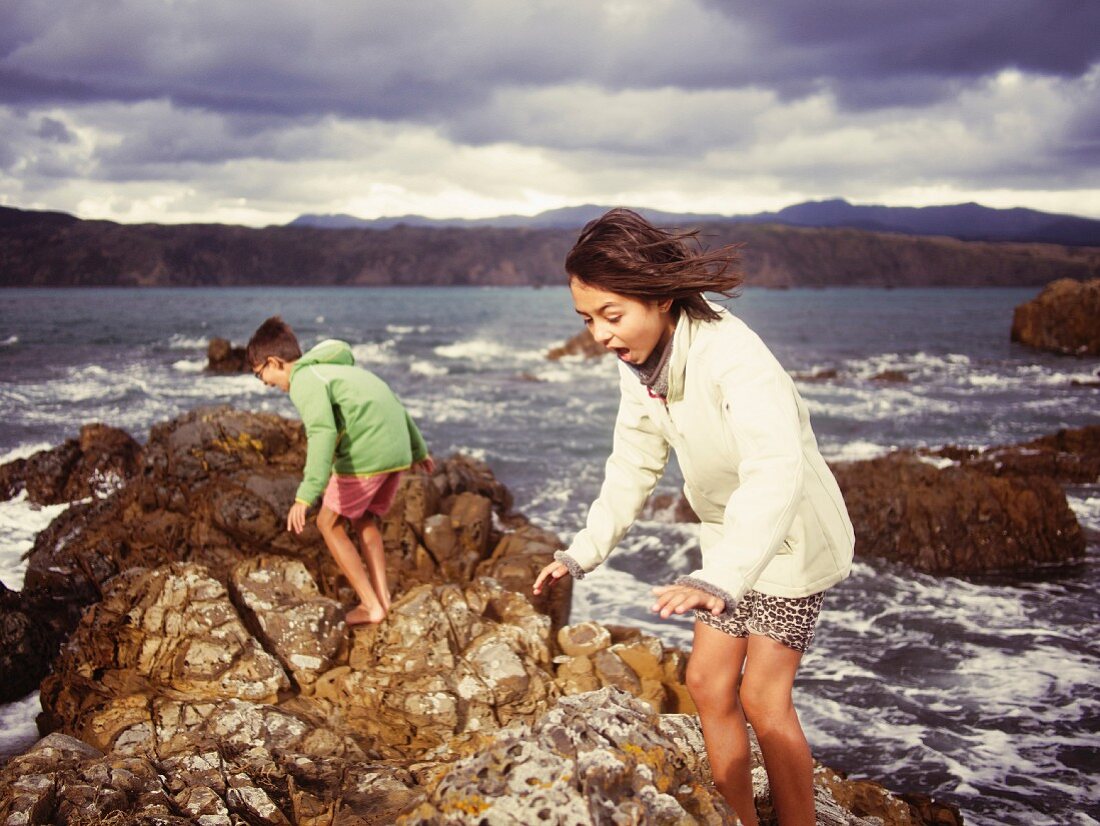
(770, 668)
(370, 545)
(347, 558)
(712, 676)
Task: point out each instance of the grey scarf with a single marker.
(653, 373)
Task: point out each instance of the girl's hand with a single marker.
(676, 599)
(296, 518)
(549, 575)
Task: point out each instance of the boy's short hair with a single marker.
(273, 338)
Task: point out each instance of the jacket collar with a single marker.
(687, 328)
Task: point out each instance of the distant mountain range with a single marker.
(56, 249)
(968, 222)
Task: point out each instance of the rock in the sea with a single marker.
(1063, 318)
(223, 357)
(1070, 456)
(95, 464)
(582, 344)
(957, 520)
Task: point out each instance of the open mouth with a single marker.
(622, 352)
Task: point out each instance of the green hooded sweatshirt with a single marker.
(355, 426)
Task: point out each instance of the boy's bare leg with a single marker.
(770, 669)
(343, 550)
(374, 553)
(713, 672)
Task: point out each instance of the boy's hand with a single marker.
(427, 464)
(296, 517)
(549, 575)
(680, 598)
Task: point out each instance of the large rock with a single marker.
(1064, 318)
(1070, 456)
(957, 520)
(582, 344)
(95, 464)
(447, 661)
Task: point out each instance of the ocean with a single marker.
(981, 692)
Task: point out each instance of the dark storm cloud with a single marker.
(429, 61)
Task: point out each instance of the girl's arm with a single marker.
(759, 408)
(638, 458)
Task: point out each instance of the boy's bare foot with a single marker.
(362, 615)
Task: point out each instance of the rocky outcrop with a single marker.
(957, 520)
(95, 464)
(1070, 456)
(582, 344)
(211, 677)
(213, 490)
(1063, 318)
(223, 357)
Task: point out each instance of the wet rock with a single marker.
(582, 344)
(1063, 318)
(891, 377)
(669, 507)
(32, 628)
(825, 374)
(93, 465)
(223, 357)
(957, 520)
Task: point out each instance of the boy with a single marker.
(359, 440)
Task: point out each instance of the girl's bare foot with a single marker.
(362, 615)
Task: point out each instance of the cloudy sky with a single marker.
(255, 111)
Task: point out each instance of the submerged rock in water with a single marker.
(1070, 456)
(1063, 318)
(957, 520)
(95, 464)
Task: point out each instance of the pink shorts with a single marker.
(352, 496)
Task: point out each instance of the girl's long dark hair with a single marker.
(622, 252)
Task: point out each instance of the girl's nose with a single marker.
(602, 333)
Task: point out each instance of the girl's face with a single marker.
(629, 327)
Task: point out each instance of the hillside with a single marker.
(53, 249)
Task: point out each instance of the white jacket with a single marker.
(773, 518)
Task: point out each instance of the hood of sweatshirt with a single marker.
(329, 351)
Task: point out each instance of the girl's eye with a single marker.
(614, 320)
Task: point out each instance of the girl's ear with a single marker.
(665, 306)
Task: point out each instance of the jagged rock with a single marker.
(583, 639)
(447, 661)
(95, 464)
(279, 600)
(582, 344)
(1063, 318)
(669, 507)
(223, 357)
(597, 758)
(891, 377)
(515, 563)
(957, 520)
(170, 629)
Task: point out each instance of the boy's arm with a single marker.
(310, 397)
(419, 446)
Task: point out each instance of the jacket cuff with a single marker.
(708, 588)
(575, 569)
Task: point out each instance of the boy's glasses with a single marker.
(259, 371)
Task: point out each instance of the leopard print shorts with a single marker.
(791, 621)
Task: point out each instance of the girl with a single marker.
(775, 532)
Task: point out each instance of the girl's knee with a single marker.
(710, 689)
(766, 706)
(327, 521)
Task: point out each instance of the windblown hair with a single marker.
(622, 252)
(273, 338)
